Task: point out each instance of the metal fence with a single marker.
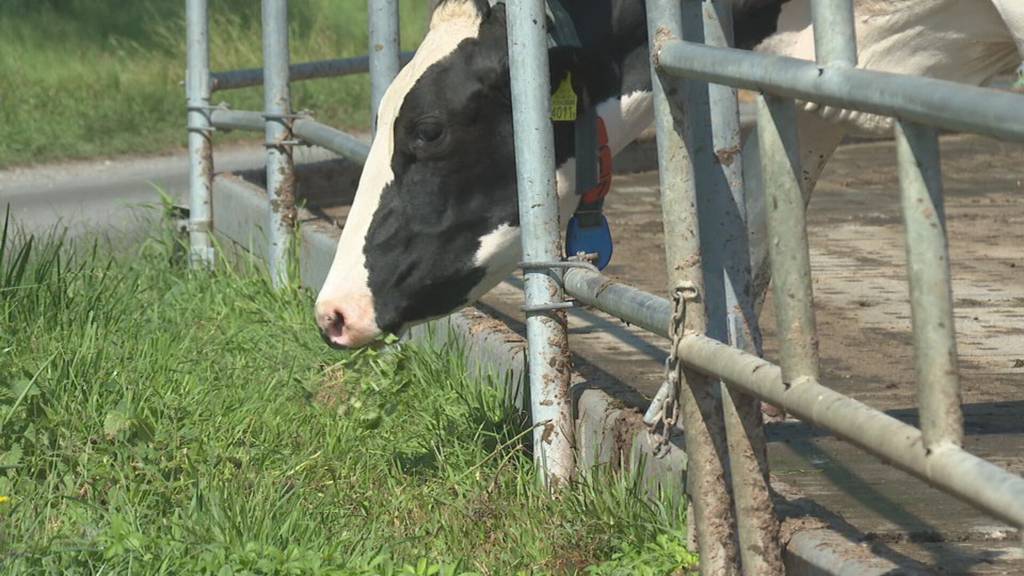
(720, 379)
(283, 128)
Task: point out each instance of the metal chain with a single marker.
(663, 421)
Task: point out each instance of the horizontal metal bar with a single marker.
(332, 139)
(938, 103)
(629, 304)
(947, 467)
(237, 119)
(307, 129)
(232, 79)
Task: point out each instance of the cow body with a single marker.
(435, 222)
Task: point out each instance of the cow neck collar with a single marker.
(588, 227)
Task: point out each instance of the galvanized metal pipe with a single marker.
(699, 401)
(650, 312)
(277, 109)
(309, 130)
(931, 295)
(721, 206)
(549, 361)
(383, 51)
(835, 41)
(234, 79)
(967, 477)
(332, 139)
(226, 119)
(787, 237)
(924, 100)
(200, 142)
(947, 467)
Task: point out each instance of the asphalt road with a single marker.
(106, 194)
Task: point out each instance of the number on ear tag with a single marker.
(593, 239)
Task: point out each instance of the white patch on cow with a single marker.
(966, 42)
(347, 282)
(495, 247)
(626, 118)
(499, 254)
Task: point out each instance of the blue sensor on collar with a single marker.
(589, 233)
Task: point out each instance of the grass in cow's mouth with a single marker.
(154, 420)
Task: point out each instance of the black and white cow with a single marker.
(434, 224)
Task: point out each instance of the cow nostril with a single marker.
(332, 326)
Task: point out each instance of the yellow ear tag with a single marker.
(563, 101)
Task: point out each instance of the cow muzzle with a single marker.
(347, 322)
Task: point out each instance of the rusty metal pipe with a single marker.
(200, 142)
(278, 118)
(549, 361)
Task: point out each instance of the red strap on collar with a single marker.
(604, 160)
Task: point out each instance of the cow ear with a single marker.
(490, 61)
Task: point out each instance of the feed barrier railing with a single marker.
(720, 376)
(282, 127)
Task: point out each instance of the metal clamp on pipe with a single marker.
(207, 112)
(287, 120)
(578, 261)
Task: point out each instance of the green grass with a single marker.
(84, 78)
(156, 420)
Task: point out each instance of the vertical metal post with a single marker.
(729, 305)
(549, 369)
(835, 40)
(787, 238)
(277, 113)
(200, 144)
(699, 400)
(931, 295)
(383, 51)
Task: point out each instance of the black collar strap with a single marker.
(588, 228)
(562, 32)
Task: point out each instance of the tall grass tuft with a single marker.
(156, 420)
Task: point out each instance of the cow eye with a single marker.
(428, 131)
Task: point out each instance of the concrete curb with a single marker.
(609, 431)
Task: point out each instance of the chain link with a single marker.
(664, 420)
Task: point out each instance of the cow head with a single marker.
(434, 223)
